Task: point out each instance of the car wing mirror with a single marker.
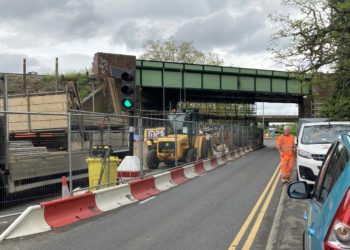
(298, 190)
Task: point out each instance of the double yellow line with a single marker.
(249, 241)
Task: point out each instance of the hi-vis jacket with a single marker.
(286, 144)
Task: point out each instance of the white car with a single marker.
(314, 140)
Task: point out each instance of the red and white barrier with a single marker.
(207, 165)
(66, 211)
(189, 171)
(178, 175)
(224, 158)
(230, 156)
(31, 221)
(199, 168)
(241, 151)
(113, 197)
(214, 162)
(58, 213)
(221, 160)
(164, 181)
(143, 188)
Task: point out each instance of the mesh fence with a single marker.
(37, 149)
(33, 157)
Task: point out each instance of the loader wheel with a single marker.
(205, 149)
(191, 155)
(152, 160)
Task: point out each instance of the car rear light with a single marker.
(338, 235)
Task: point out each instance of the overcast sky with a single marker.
(74, 30)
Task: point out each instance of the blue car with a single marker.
(328, 215)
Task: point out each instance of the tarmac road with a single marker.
(204, 213)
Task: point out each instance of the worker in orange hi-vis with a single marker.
(286, 147)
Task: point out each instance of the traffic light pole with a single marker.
(131, 134)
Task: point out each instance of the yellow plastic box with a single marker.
(95, 168)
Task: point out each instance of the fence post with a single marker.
(197, 133)
(240, 134)
(175, 133)
(131, 134)
(108, 130)
(6, 124)
(222, 139)
(141, 146)
(232, 141)
(108, 150)
(70, 152)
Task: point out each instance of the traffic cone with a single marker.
(65, 189)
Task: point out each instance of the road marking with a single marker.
(251, 215)
(144, 201)
(277, 220)
(260, 217)
(10, 215)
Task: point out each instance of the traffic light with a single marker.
(127, 87)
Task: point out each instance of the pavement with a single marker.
(287, 230)
(288, 224)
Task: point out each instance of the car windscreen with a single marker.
(323, 134)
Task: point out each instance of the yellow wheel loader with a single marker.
(185, 144)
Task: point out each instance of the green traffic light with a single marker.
(127, 103)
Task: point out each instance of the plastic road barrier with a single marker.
(164, 181)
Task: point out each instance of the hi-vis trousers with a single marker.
(287, 164)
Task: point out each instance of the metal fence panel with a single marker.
(34, 155)
(98, 140)
(37, 149)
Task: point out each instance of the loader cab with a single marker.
(184, 122)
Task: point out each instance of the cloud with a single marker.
(23, 10)
(207, 23)
(154, 9)
(41, 22)
(134, 34)
(74, 62)
(223, 29)
(13, 63)
(44, 29)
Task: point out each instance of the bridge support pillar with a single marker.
(266, 125)
(305, 107)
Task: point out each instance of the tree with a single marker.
(178, 51)
(308, 43)
(337, 108)
(317, 38)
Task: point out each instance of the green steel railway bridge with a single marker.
(162, 85)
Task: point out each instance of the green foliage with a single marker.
(82, 81)
(48, 78)
(79, 77)
(280, 128)
(84, 93)
(178, 51)
(293, 128)
(337, 107)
